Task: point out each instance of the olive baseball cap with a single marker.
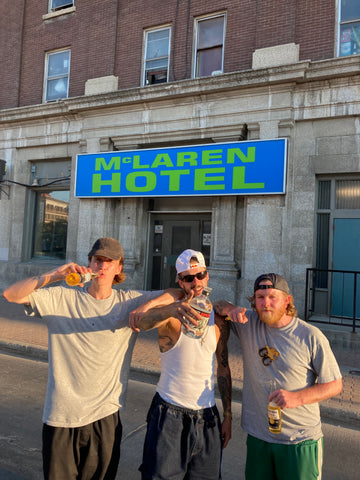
(107, 247)
(277, 281)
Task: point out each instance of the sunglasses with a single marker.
(190, 278)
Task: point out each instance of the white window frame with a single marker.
(145, 48)
(339, 36)
(64, 4)
(47, 78)
(197, 21)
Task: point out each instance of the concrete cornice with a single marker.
(298, 73)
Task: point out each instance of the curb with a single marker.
(151, 375)
(26, 350)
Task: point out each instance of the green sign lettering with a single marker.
(174, 178)
(205, 175)
(136, 163)
(187, 157)
(100, 163)
(241, 155)
(162, 159)
(209, 155)
(97, 182)
(239, 180)
(150, 184)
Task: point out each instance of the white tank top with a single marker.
(187, 370)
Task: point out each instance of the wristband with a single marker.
(228, 414)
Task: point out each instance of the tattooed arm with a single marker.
(230, 311)
(224, 377)
(158, 316)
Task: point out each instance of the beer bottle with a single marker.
(74, 278)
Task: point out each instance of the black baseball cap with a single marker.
(277, 281)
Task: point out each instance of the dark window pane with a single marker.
(156, 274)
(324, 191)
(210, 32)
(350, 10)
(322, 248)
(209, 61)
(51, 222)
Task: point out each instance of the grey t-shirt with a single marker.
(90, 345)
(292, 357)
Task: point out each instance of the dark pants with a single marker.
(181, 443)
(91, 452)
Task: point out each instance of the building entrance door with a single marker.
(169, 236)
(346, 256)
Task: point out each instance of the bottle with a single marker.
(202, 304)
(274, 417)
(74, 278)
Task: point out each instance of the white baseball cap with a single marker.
(183, 260)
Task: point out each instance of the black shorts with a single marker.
(82, 452)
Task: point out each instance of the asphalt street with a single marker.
(23, 384)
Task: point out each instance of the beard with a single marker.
(270, 316)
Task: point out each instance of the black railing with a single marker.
(333, 297)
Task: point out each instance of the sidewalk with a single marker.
(25, 336)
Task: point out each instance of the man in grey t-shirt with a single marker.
(89, 346)
(289, 365)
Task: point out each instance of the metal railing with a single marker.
(333, 297)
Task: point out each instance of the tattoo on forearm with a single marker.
(165, 343)
(220, 305)
(224, 386)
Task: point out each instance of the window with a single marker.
(57, 71)
(209, 46)
(47, 210)
(336, 199)
(51, 222)
(156, 56)
(349, 33)
(323, 231)
(59, 4)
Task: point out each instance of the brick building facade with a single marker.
(80, 76)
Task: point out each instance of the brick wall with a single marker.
(106, 38)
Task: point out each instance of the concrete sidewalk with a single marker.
(26, 336)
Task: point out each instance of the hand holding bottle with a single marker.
(73, 279)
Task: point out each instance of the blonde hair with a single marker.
(290, 309)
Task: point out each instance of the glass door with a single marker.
(169, 236)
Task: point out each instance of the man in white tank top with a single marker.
(185, 435)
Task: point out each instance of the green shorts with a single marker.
(276, 461)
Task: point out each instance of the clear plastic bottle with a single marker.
(274, 417)
(202, 304)
(74, 278)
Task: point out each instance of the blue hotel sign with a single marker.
(241, 168)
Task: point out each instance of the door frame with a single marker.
(185, 218)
